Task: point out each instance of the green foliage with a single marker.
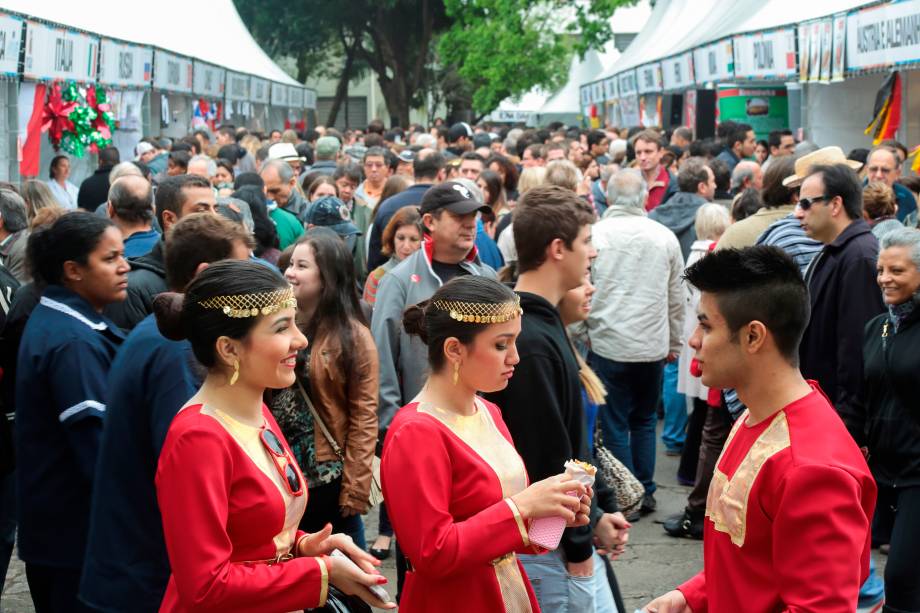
(506, 47)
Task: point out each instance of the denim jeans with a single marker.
(628, 417)
(556, 590)
(674, 432)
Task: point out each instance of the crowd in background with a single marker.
(365, 223)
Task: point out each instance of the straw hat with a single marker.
(828, 156)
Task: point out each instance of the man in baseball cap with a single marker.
(459, 139)
(404, 166)
(331, 213)
(449, 211)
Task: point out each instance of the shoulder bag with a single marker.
(376, 493)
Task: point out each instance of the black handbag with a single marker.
(338, 602)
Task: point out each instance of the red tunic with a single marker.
(446, 482)
(788, 515)
(223, 505)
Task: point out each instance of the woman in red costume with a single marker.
(230, 493)
(456, 489)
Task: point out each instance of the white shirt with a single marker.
(638, 310)
(66, 196)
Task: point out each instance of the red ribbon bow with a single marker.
(55, 115)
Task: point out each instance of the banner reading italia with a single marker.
(765, 108)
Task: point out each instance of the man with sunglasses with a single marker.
(841, 285)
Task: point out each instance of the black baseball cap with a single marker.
(453, 196)
(459, 130)
(332, 213)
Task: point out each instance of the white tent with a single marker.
(519, 110)
(208, 31)
(564, 105)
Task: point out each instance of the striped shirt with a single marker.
(788, 235)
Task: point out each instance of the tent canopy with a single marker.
(566, 100)
(677, 26)
(172, 25)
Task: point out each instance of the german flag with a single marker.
(886, 115)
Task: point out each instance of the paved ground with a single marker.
(652, 564)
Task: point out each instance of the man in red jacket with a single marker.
(791, 500)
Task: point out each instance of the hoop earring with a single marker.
(456, 372)
(236, 372)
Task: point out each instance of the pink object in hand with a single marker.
(547, 531)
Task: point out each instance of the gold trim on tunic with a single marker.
(480, 433)
(727, 501)
(248, 439)
(324, 583)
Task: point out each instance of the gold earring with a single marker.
(236, 372)
(456, 372)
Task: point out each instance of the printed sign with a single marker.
(208, 80)
(295, 97)
(714, 63)
(827, 43)
(677, 72)
(597, 92)
(56, 53)
(259, 90)
(883, 35)
(124, 64)
(237, 87)
(628, 85)
(766, 56)
(610, 88)
(10, 44)
(309, 101)
(172, 73)
(279, 94)
(648, 78)
(804, 42)
(764, 108)
(840, 33)
(814, 52)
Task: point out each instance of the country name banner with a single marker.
(237, 87)
(766, 56)
(628, 85)
(280, 95)
(57, 53)
(208, 80)
(124, 64)
(677, 72)
(172, 73)
(714, 62)
(597, 92)
(648, 78)
(295, 97)
(610, 88)
(259, 90)
(10, 44)
(882, 36)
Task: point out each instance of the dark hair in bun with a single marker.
(434, 325)
(182, 316)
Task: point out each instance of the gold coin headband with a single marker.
(481, 312)
(252, 305)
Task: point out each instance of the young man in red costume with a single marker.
(791, 500)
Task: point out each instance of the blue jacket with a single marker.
(61, 393)
(126, 567)
(385, 211)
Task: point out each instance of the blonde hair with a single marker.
(37, 196)
(711, 221)
(562, 173)
(878, 200)
(532, 177)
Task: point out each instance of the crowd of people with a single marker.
(225, 352)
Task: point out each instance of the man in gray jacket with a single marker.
(449, 213)
(697, 185)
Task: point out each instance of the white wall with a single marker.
(838, 113)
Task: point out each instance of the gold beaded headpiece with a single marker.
(481, 312)
(251, 305)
